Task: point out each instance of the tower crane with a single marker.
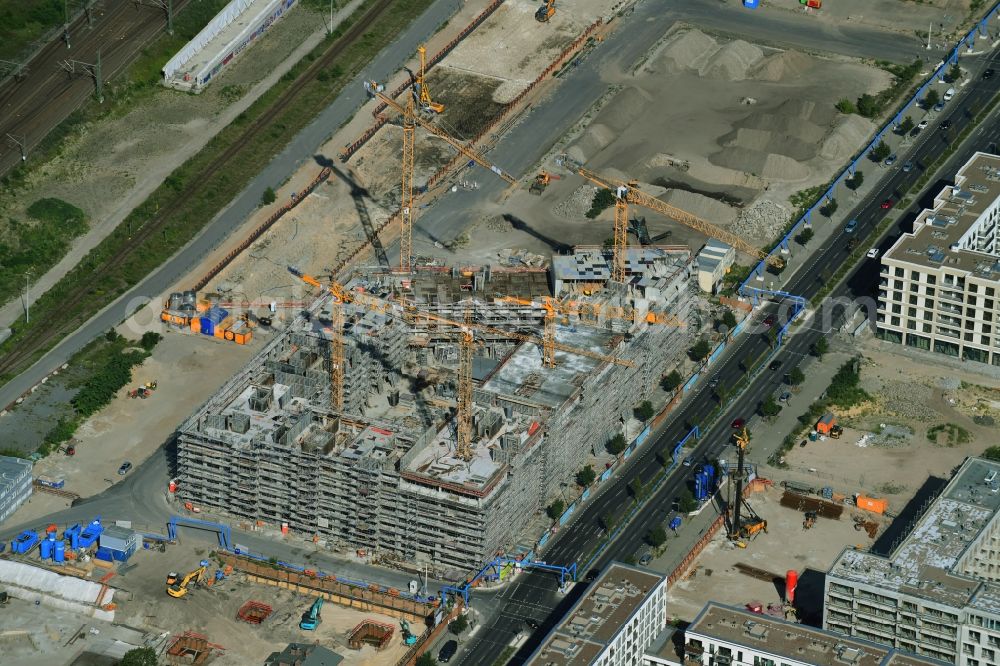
(410, 314)
(410, 121)
(583, 310)
(627, 192)
(420, 85)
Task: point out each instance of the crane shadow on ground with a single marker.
(358, 194)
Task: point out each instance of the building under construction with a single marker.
(384, 474)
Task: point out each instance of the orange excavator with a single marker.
(546, 11)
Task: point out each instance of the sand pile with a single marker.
(847, 136)
(707, 208)
(764, 165)
(733, 61)
(624, 109)
(785, 65)
(689, 49)
(764, 220)
(593, 140)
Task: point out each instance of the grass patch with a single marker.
(22, 23)
(505, 656)
(193, 194)
(948, 434)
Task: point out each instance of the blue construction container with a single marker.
(73, 534)
(213, 317)
(91, 533)
(751, 4)
(24, 542)
(45, 549)
(105, 555)
(675, 522)
(700, 487)
(59, 551)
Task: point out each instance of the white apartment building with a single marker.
(727, 636)
(936, 593)
(714, 261)
(621, 614)
(15, 484)
(939, 287)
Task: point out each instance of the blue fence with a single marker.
(642, 436)
(783, 246)
(691, 382)
(740, 327)
(717, 353)
(566, 514)
(585, 496)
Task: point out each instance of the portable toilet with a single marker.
(751, 4)
(59, 552)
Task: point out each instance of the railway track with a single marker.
(53, 325)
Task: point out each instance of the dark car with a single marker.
(945, 125)
(447, 651)
(775, 364)
(738, 423)
(769, 321)
(531, 622)
(123, 470)
(988, 74)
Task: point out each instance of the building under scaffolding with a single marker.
(383, 474)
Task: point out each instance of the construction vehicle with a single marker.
(546, 11)
(139, 392)
(408, 637)
(745, 527)
(177, 587)
(410, 122)
(311, 618)
(420, 90)
(541, 181)
(151, 385)
(810, 520)
(627, 192)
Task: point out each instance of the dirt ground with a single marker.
(905, 16)
(112, 165)
(785, 546)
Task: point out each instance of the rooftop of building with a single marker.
(923, 564)
(935, 240)
(11, 468)
(793, 641)
(713, 254)
(435, 286)
(597, 617)
(304, 654)
(593, 264)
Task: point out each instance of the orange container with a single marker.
(195, 325)
(826, 423)
(873, 504)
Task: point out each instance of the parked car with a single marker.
(645, 559)
(688, 462)
(785, 397)
(889, 161)
(738, 423)
(908, 167)
(447, 651)
(872, 253)
(948, 95)
(923, 124)
(939, 107)
(125, 467)
(851, 226)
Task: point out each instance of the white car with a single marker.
(872, 253)
(923, 124)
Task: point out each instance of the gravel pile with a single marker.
(577, 204)
(764, 220)
(906, 400)
(498, 224)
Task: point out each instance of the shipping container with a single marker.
(873, 504)
(826, 423)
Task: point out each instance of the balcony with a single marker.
(952, 296)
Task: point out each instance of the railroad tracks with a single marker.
(54, 324)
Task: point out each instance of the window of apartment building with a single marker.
(911, 324)
(914, 286)
(970, 312)
(929, 291)
(968, 649)
(894, 321)
(969, 324)
(915, 275)
(989, 655)
(928, 315)
(931, 279)
(897, 295)
(972, 662)
(973, 287)
(913, 300)
(899, 272)
(897, 308)
(975, 636)
(971, 300)
(761, 661)
(969, 337)
(984, 340)
(989, 291)
(897, 284)
(988, 303)
(927, 328)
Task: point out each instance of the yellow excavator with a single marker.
(177, 587)
(546, 11)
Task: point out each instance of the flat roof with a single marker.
(11, 468)
(597, 617)
(593, 264)
(924, 563)
(935, 242)
(790, 640)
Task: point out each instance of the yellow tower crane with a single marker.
(627, 192)
(584, 311)
(423, 94)
(410, 121)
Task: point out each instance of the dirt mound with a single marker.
(769, 142)
(849, 133)
(759, 163)
(732, 62)
(593, 140)
(785, 65)
(706, 208)
(687, 50)
(624, 109)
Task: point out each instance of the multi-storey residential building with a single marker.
(15, 484)
(939, 287)
(621, 614)
(936, 593)
(723, 636)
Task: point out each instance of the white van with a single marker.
(949, 94)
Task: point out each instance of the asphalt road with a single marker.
(302, 148)
(535, 596)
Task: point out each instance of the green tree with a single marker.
(931, 98)
(426, 659)
(769, 408)
(636, 489)
(555, 509)
(881, 151)
(846, 106)
(616, 444)
(656, 537)
(992, 453)
(796, 376)
(687, 502)
(820, 347)
(855, 181)
(700, 350)
(268, 197)
(829, 208)
(671, 381)
(644, 411)
(954, 73)
(729, 319)
(458, 625)
(149, 340)
(607, 522)
(603, 198)
(112, 336)
(144, 656)
(869, 106)
(905, 126)
(586, 476)
(805, 236)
